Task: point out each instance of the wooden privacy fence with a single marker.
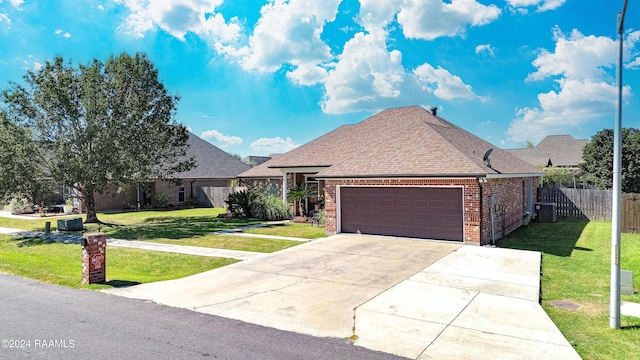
(592, 204)
(214, 196)
(630, 222)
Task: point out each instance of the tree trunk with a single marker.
(90, 205)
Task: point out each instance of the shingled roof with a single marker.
(213, 163)
(401, 142)
(263, 171)
(558, 150)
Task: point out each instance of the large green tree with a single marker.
(90, 127)
(598, 160)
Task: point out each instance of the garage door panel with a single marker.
(422, 212)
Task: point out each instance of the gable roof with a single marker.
(402, 142)
(558, 150)
(212, 162)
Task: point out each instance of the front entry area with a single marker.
(416, 212)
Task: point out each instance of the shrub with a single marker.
(239, 203)
(270, 207)
(160, 200)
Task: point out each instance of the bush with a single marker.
(269, 207)
(239, 203)
(160, 200)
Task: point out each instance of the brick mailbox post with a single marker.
(94, 258)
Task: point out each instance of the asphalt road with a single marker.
(41, 321)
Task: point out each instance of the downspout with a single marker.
(492, 210)
(481, 203)
(191, 190)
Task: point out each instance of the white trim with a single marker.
(339, 204)
(302, 170)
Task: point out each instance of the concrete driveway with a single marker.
(414, 298)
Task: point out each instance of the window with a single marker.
(181, 194)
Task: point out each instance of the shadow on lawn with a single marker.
(557, 238)
(174, 227)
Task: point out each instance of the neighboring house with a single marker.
(256, 160)
(407, 172)
(207, 184)
(264, 178)
(554, 150)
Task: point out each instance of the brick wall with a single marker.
(114, 200)
(510, 197)
(269, 186)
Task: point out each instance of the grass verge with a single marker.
(576, 267)
(61, 264)
(290, 229)
(232, 242)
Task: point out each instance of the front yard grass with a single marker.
(576, 265)
(61, 264)
(290, 229)
(233, 243)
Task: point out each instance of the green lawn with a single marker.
(291, 229)
(576, 265)
(233, 243)
(61, 264)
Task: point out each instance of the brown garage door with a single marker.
(419, 212)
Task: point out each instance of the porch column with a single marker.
(284, 187)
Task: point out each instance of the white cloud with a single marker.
(550, 5)
(308, 75)
(585, 90)
(576, 57)
(288, 32)
(59, 32)
(365, 73)
(369, 77)
(376, 14)
(16, 3)
(100, 7)
(4, 18)
(221, 139)
(442, 83)
(633, 65)
(179, 17)
(273, 145)
(432, 19)
(426, 19)
(37, 66)
(541, 5)
(485, 48)
(365, 76)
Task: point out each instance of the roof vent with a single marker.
(434, 110)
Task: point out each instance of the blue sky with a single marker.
(261, 77)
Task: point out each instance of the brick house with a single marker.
(407, 172)
(554, 150)
(208, 183)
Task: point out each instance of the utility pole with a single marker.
(614, 301)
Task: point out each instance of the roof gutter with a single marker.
(509, 176)
(396, 177)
